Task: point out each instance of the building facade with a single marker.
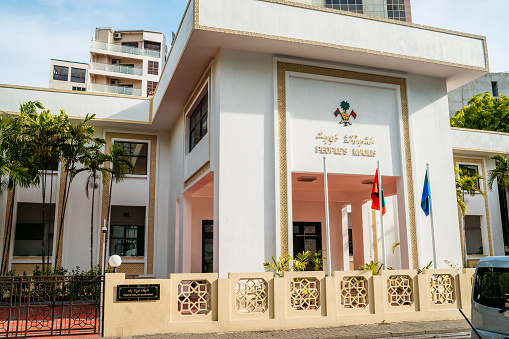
(230, 150)
(126, 62)
(68, 75)
(388, 9)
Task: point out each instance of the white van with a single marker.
(490, 298)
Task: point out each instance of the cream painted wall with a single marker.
(245, 172)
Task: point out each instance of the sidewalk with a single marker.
(432, 329)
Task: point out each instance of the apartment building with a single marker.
(389, 9)
(126, 62)
(68, 75)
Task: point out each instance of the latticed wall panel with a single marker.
(442, 289)
(194, 297)
(354, 292)
(251, 296)
(305, 294)
(400, 290)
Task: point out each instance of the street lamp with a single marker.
(115, 262)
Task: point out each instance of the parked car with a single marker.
(490, 298)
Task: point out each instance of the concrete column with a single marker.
(185, 235)
(344, 232)
(357, 235)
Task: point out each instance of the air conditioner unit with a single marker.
(114, 81)
(117, 35)
(115, 61)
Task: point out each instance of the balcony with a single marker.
(125, 49)
(115, 68)
(115, 89)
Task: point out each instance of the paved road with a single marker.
(416, 330)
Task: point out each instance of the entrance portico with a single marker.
(355, 231)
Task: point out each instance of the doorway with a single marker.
(307, 236)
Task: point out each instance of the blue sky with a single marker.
(34, 31)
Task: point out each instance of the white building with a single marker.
(123, 62)
(234, 139)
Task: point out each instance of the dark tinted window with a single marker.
(492, 287)
(60, 73)
(198, 123)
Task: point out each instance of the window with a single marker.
(473, 235)
(30, 229)
(494, 88)
(130, 44)
(198, 123)
(60, 73)
(79, 89)
(396, 10)
(151, 87)
(491, 286)
(153, 46)
(354, 6)
(78, 75)
(153, 67)
(470, 170)
(127, 234)
(137, 154)
(207, 246)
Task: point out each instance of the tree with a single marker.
(485, 113)
(46, 134)
(120, 166)
(500, 173)
(94, 161)
(466, 184)
(73, 151)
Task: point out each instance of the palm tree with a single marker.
(73, 152)
(120, 166)
(94, 161)
(46, 134)
(466, 184)
(500, 173)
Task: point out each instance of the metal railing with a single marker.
(114, 89)
(125, 49)
(116, 68)
(49, 305)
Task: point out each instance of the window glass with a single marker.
(396, 10)
(78, 75)
(153, 46)
(130, 44)
(492, 287)
(60, 73)
(151, 87)
(198, 123)
(30, 231)
(354, 6)
(470, 170)
(127, 232)
(137, 153)
(153, 67)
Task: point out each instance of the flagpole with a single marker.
(381, 198)
(431, 216)
(327, 229)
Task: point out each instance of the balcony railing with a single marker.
(125, 49)
(116, 68)
(114, 89)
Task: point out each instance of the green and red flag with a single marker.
(376, 193)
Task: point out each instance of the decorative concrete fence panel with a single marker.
(400, 290)
(443, 288)
(354, 292)
(304, 294)
(251, 296)
(202, 303)
(194, 297)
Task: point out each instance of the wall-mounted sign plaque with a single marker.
(138, 292)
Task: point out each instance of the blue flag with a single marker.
(425, 200)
